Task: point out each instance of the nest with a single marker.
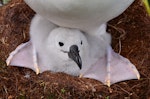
(130, 36)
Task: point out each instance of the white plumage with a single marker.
(86, 15)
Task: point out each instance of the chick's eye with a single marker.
(61, 44)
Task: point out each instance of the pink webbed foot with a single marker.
(24, 56)
(112, 68)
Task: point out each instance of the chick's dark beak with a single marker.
(74, 55)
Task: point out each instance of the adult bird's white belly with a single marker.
(86, 15)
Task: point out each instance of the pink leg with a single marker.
(107, 81)
(35, 62)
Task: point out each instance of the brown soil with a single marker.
(131, 32)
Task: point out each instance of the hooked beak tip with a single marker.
(80, 66)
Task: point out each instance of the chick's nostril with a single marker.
(74, 48)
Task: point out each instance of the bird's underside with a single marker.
(85, 15)
(109, 69)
